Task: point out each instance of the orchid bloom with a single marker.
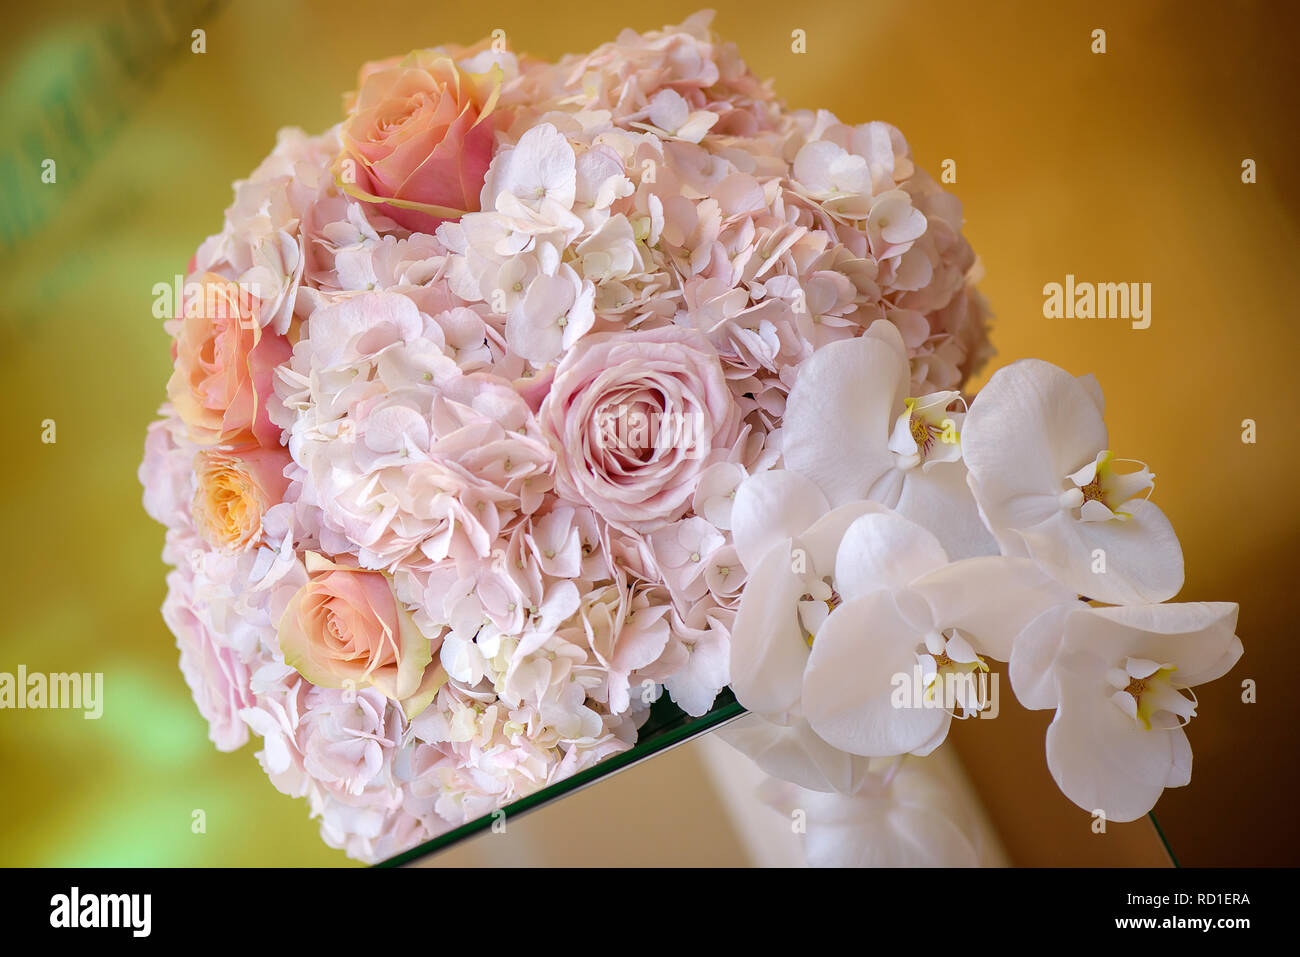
(851, 427)
(1116, 678)
(1047, 485)
(843, 603)
(909, 618)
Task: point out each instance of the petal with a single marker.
(1102, 759)
(863, 652)
(1143, 560)
(771, 507)
(821, 542)
(884, 550)
(768, 650)
(940, 499)
(1198, 638)
(839, 415)
(1028, 428)
(991, 599)
(1032, 667)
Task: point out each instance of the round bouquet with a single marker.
(532, 391)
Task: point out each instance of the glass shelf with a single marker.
(666, 727)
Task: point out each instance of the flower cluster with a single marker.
(904, 544)
(490, 403)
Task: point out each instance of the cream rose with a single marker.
(234, 490)
(345, 628)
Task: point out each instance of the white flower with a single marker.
(610, 252)
(906, 618)
(682, 551)
(553, 314)
(1115, 677)
(532, 189)
(851, 428)
(704, 671)
(894, 224)
(827, 170)
(540, 169)
(1040, 469)
(787, 537)
(716, 493)
(670, 113)
(625, 630)
(845, 608)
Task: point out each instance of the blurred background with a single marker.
(1124, 166)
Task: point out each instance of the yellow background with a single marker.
(1117, 167)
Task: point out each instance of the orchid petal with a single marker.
(1143, 560)
(770, 507)
(839, 415)
(849, 681)
(768, 648)
(884, 551)
(1028, 428)
(991, 599)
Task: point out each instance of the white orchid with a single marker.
(908, 618)
(786, 536)
(843, 603)
(1115, 677)
(1040, 468)
(851, 427)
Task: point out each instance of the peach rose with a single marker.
(224, 363)
(418, 139)
(234, 491)
(345, 628)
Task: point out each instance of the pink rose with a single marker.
(419, 138)
(345, 628)
(638, 416)
(224, 361)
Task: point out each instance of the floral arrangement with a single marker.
(532, 391)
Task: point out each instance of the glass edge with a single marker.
(662, 741)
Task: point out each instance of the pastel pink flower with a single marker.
(167, 472)
(217, 677)
(346, 629)
(234, 490)
(224, 362)
(419, 138)
(638, 416)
